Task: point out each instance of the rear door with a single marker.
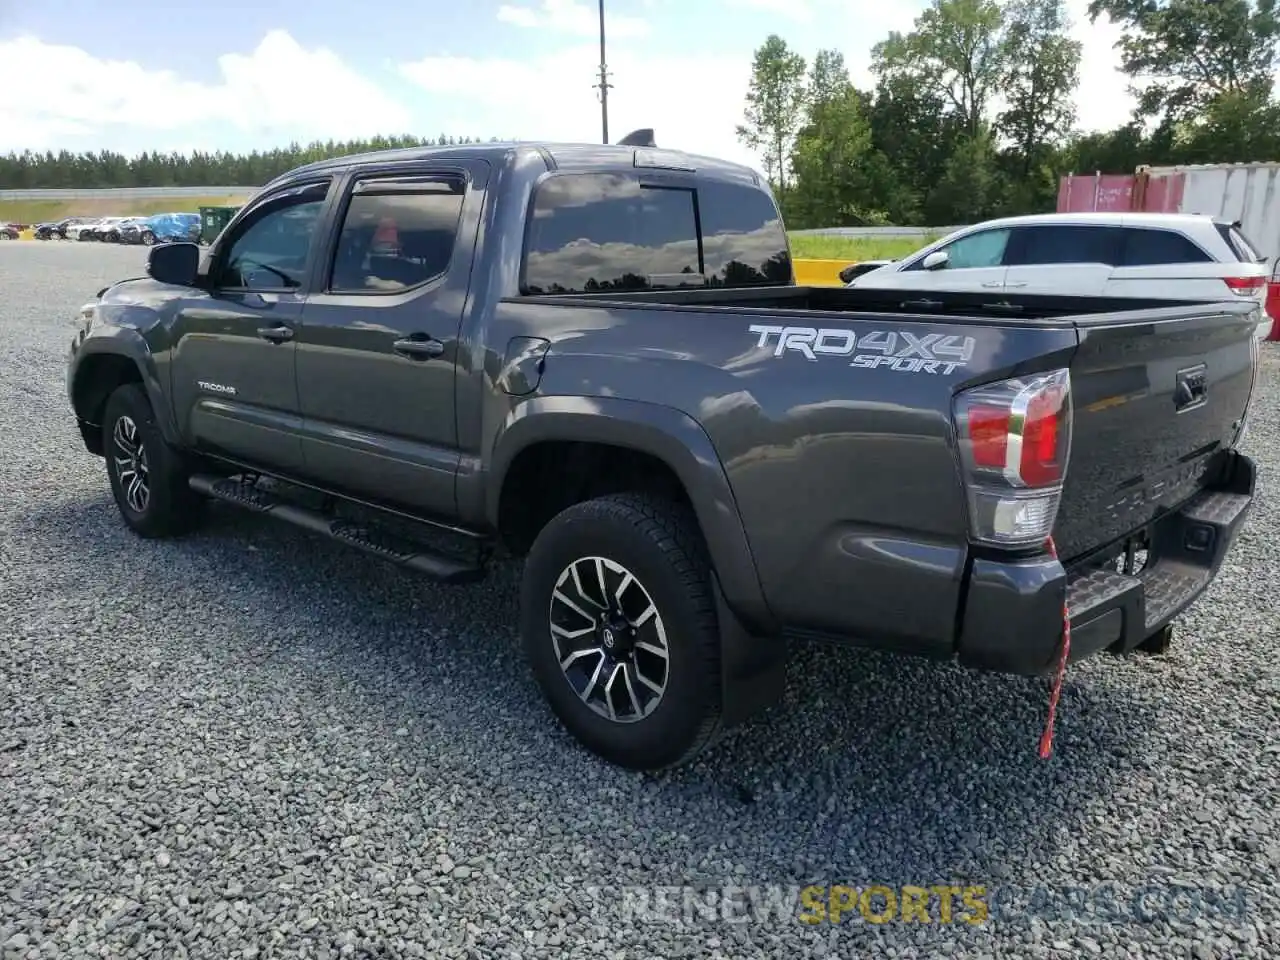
(975, 263)
(1071, 259)
(380, 339)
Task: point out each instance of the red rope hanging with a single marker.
(1046, 738)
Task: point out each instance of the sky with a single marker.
(134, 75)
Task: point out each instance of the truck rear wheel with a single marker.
(619, 625)
(147, 477)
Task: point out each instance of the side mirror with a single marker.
(174, 263)
(936, 260)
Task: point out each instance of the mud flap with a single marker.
(753, 669)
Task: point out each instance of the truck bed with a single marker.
(1136, 453)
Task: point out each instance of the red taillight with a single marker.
(1245, 286)
(989, 435)
(1040, 464)
(1015, 440)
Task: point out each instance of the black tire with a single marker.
(170, 507)
(659, 544)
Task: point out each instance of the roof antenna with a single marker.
(638, 138)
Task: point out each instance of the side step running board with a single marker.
(437, 566)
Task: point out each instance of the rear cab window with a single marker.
(598, 232)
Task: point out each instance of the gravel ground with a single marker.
(255, 743)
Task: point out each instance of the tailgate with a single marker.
(1157, 399)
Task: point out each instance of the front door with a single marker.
(233, 380)
(380, 336)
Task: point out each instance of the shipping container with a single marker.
(1247, 193)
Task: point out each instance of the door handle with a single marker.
(276, 334)
(992, 284)
(1019, 284)
(418, 347)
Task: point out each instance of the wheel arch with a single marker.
(658, 445)
(103, 364)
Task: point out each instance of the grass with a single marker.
(37, 211)
(809, 247)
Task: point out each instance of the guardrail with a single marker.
(875, 231)
(126, 193)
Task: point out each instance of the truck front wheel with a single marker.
(619, 625)
(147, 477)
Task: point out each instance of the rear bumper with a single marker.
(1012, 619)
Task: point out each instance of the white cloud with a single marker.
(693, 103)
(520, 16)
(1102, 99)
(278, 92)
(574, 18)
(798, 10)
(281, 90)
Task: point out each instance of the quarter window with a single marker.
(599, 232)
(1145, 248)
(271, 248)
(397, 233)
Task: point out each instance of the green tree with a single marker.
(954, 52)
(833, 161)
(774, 107)
(970, 188)
(1183, 55)
(1042, 70)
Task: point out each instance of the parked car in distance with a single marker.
(95, 229)
(69, 228)
(167, 228)
(10, 231)
(46, 230)
(596, 358)
(1178, 255)
(113, 232)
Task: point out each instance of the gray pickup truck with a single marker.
(597, 358)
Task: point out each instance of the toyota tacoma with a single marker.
(595, 358)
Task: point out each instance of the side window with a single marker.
(1145, 248)
(397, 233)
(743, 240)
(271, 247)
(597, 232)
(982, 249)
(1064, 244)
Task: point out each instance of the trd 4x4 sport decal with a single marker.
(900, 350)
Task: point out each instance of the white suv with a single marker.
(1178, 256)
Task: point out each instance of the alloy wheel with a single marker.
(132, 469)
(609, 639)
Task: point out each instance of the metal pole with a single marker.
(604, 83)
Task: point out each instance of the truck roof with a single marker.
(564, 156)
